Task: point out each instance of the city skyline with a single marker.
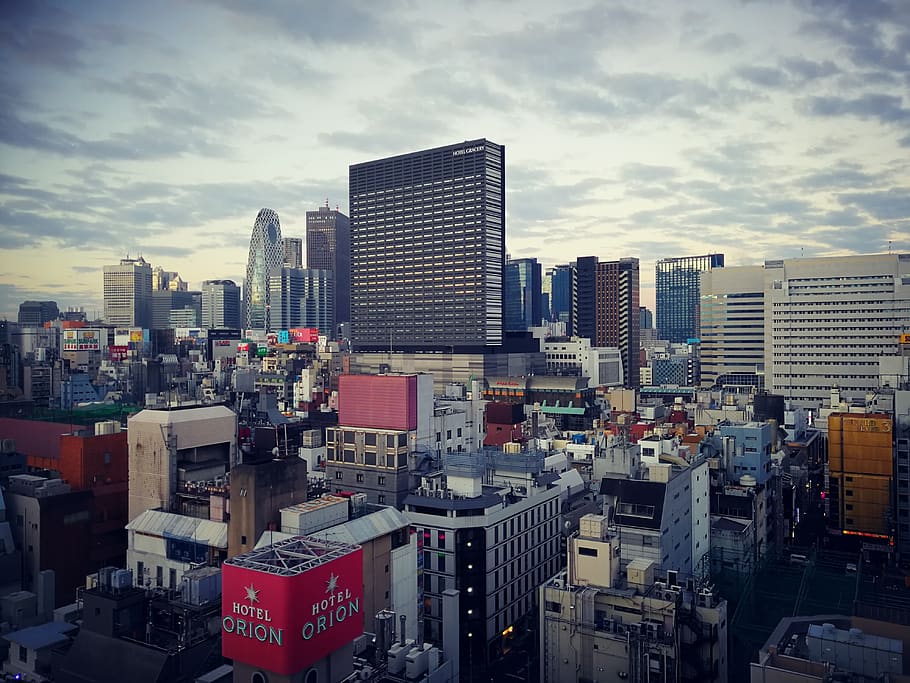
(758, 130)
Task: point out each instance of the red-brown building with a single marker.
(88, 459)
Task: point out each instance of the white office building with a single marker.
(575, 356)
(828, 320)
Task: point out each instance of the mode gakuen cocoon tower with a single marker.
(266, 253)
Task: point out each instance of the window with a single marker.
(339, 474)
(172, 578)
(159, 575)
(140, 573)
(359, 478)
(381, 480)
(243, 540)
(587, 552)
(23, 654)
(381, 499)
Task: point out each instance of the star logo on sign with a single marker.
(251, 594)
(331, 584)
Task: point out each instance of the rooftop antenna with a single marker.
(326, 202)
(889, 246)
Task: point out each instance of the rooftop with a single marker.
(292, 556)
(45, 635)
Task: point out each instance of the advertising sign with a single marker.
(121, 336)
(118, 353)
(243, 347)
(136, 335)
(81, 340)
(283, 623)
(283, 337)
(306, 335)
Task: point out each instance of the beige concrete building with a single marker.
(606, 620)
(732, 328)
(171, 450)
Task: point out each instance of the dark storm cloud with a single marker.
(722, 43)
(39, 34)
(809, 70)
(840, 176)
(885, 205)
(347, 22)
(879, 106)
(765, 76)
(562, 48)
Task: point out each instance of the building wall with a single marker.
(829, 319)
(860, 465)
(732, 327)
(427, 261)
(154, 439)
(258, 492)
(678, 294)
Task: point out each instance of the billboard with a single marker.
(82, 339)
(283, 622)
(307, 335)
(378, 401)
(118, 353)
(284, 337)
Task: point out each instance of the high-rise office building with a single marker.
(166, 301)
(266, 253)
(328, 247)
(428, 249)
(167, 280)
(302, 297)
(563, 296)
(585, 297)
(220, 304)
(732, 334)
(128, 293)
(618, 316)
(36, 313)
(828, 320)
(678, 295)
(293, 252)
(523, 294)
(647, 318)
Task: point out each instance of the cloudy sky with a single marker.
(759, 128)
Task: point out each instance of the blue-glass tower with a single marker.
(266, 253)
(562, 296)
(523, 294)
(679, 295)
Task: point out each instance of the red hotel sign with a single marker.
(285, 623)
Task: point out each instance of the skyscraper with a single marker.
(618, 318)
(678, 295)
(36, 313)
(302, 297)
(647, 318)
(523, 294)
(293, 252)
(220, 304)
(428, 249)
(266, 253)
(328, 247)
(128, 293)
(585, 297)
(828, 320)
(732, 334)
(563, 296)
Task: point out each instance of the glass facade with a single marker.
(302, 297)
(679, 295)
(523, 294)
(328, 247)
(428, 249)
(562, 296)
(266, 253)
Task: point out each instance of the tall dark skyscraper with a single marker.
(523, 294)
(618, 313)
(328, 247)
(586, 297)
(266, 253)
(293, 252)
(428, 249)
(647, 318)
(563, 296)
(679, 295)
(36, 313)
